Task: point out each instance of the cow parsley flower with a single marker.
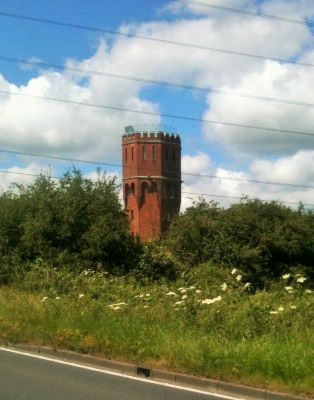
(171, 294)
(81, 295)
(234, 271)
(224, 286)
(247, 285)
(273, 312)
(301, 279)
(293, 307)
(198, 291)
(308, 291)
(211, 301)
(238, 278)
(280, 309)
(286, 276)
(184, 296)
(289, 289)
(44, 299)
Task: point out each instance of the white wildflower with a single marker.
(58, 298)
(81, 295)
(247, 285)
(286, 276)
(182, 290)
(116, 308)
(308, 291)
(198, 291)
(273, 312)
(171, 294)
(177, 303)
(224, 286)
(234, 271)
(139, 296)
(191, 287)
(145, 306)
(289, 289)
(148, 295)
(238, 278)
(280, 309)
(118, 305)
(44, 298)
(211, 301)
(184, 296)
(301, 279)
(293, 307)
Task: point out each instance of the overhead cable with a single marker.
(184, 192)
(155, 39)
(163, 115)
(208, 176)
(247, 12)
(153, 82)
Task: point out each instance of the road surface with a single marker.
(32, 377)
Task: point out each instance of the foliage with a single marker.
(262, 239)
(156, 262)
(77, 222)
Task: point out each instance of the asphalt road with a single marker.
(32, 378)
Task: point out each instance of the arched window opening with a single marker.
(127, 190)
(132, 153)
(154, 153)
(144, 152)
(132, 189)
(126, 154)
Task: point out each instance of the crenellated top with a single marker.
(151, 136)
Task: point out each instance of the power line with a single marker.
(153, 82)
(243, 197)
(58, 158)
(249, 180)
(154, 39)
(246, 12)
(23, 153)
(184, 192)
(163, 115)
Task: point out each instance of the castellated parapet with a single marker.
(151, 136)
(151, 181)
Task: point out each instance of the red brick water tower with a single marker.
(151, 181)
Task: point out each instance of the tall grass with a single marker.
(207, 323)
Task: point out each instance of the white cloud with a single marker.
(95, 133)
(286, 82)
(297, 169)
(21, 175)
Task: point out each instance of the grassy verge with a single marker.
(207, 324)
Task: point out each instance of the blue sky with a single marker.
(29, 125)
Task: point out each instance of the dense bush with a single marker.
(263, 239)
(76, 222)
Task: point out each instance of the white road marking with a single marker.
(104, 371)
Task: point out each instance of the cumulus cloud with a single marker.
(94, 133)
(21, 175)
(287, 82)
(297, 169)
